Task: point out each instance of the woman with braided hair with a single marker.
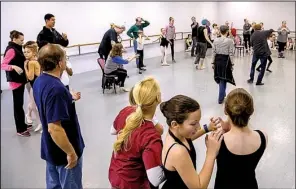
(138, 141)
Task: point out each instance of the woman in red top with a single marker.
(136, 160)
(132, 107)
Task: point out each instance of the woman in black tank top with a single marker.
(178, 156)
(238, 158)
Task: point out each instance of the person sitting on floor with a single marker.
(188, 43)
(114, 65)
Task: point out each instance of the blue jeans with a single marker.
(135, 49)
(263, 60)
(222, 91)
(57, 177)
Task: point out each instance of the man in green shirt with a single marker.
(133, 31)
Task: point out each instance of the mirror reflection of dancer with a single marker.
(164, 42)
(171, 35)
(133, 32)
(110, 38)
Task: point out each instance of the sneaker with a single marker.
(24, 134)
(259, 83)
(174, 61)
(38, 128)
(143, 69)
(165, 64)
(29, 120)
(124, 89)
(250, 81)
(268, 70)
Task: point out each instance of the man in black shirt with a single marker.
(109, 39)
(194, 27)
(49, 35)
(260, 51)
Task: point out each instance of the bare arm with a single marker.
(30, 69)
(207, 36)
(59, 137)
(69, 71)
(185, 168)
(156, 39)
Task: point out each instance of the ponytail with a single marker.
(132, 122)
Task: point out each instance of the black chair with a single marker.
(107, 79)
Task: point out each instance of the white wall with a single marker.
(270, 13)
(86, 22)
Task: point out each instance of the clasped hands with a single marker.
(218, 124)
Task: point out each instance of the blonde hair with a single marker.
(32, 45)
(145, 93)
(131, 97)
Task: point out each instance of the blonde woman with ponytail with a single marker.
(138, 142)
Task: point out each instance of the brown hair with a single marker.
(15, 34)
(116, 50)
(257, 27)
(50, 56)
(239, 107)
(32, 45)
(178, 108)
(214, 25)
(171, 18)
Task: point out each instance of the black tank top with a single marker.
(238, 171)
(200, 35)
(32, 81)
(163, 41)
(173, 179)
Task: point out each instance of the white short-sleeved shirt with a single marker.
(65, 77)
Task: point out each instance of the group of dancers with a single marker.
(43, 64)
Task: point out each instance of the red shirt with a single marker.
(128, 168)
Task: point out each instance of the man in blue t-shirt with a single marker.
(61, 142)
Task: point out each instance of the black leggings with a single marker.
(247, 40)
(141, 58)
(121, 74)
(18, 110)
(281, 46)
(104, 55)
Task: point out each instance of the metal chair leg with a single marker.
(114, 85)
